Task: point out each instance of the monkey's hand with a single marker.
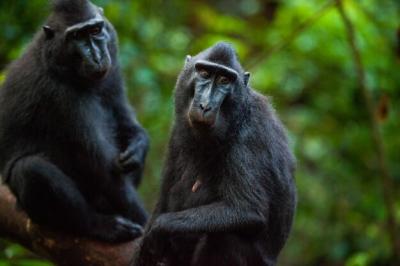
(158, 226)
(133, 157)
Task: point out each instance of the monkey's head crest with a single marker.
(74, 11)
(223, 53)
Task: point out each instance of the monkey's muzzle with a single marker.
(201, 116)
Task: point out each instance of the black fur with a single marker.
(242, 213)
(70, 148)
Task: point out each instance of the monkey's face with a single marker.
(213, 84)
(82, 50)
(87, 43)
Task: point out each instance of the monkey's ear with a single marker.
(187, 59)
(49, 32)
(246, 78)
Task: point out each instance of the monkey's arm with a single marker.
(169, 177)
(132, 138)
(136, 143)
(215, 217)
(130, 132)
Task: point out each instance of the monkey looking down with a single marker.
(71, 149)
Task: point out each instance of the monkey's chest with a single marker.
(189, 193)
(89, 146)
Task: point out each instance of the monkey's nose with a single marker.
(205, 107)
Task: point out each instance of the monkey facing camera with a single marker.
(228, 195)
(71, 149)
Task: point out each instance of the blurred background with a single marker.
(334, 77)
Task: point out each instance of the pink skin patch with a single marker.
(196, 185)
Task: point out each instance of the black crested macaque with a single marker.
(228, 195)
(71, 149)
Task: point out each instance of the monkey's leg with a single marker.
(160, 250)
(149, 252)
(227, 250)
(124, 199)
(51, 198)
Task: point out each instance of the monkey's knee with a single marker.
(27, 176)
(41, 188)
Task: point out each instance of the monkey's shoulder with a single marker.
(261, 104)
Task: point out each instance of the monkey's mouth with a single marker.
(200, 120)
(98, 75)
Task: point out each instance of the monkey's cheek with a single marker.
(193, 117)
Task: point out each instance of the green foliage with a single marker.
(15, 255)
(312, 78)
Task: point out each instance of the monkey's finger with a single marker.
(125, 223)
(131, 162)
(127, 229)
(126, 155)
(117, 166)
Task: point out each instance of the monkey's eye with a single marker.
(94, 30)
(204, 73)
(79, 34)
(223, 80)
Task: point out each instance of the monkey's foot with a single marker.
(115, 229)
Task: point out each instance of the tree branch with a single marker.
(385, 178)
(61, 249)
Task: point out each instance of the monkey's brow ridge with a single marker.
(91, 22)
(203, 63)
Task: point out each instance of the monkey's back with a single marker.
(277, 165)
